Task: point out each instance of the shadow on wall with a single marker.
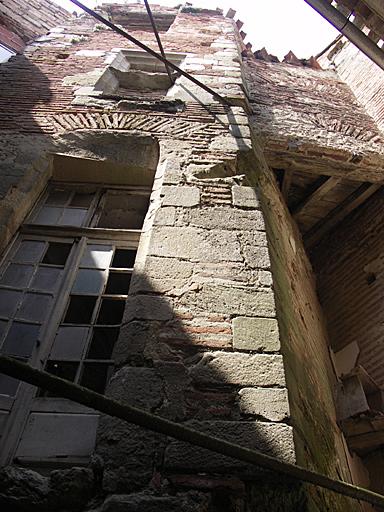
(168, 363)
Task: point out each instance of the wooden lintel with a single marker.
(321, 188)
(359, 196)
(286, 183)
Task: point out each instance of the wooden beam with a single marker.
(358, 197)
(376, 6)
(321, 188)
(286, 184)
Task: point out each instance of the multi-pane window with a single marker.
(63, 287)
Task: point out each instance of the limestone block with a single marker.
(139, 387)
(239, 369)
(165, 216)
(180, 196)
(245, 197)
(270, 438)
(168, 268)
(255, 250)
(226, 218)
(148, 307)
(229, 143)
(230, 301)
(261, 334)
(270, 403)
(195, 244)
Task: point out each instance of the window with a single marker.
(63, 286)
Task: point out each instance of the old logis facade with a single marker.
(152, 241)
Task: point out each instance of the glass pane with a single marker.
(35, 307)
(29, 252)
(48, 215)
(95, 376)
(80, 309)
(3, 328)
(124, 258)
(103, 341)
(21, 339)
(89, 281)
(82, 199)
(57, 253)
(69, 343)
(111, 312)
(98, 256)
(17, 275)
(73, 217)
(58, 197)
(8, 385)
(118, 283)
(9, 301)
(46, 279)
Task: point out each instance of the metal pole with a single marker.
(349, 30)
(150, 51)
(153, 23)
(66, 389)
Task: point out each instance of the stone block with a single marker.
(245, 197)
(147, 307)
(239, 369)
(270, 438)
(259, 334)
(139, 387)
(230, 301)
(269, 403)
(195, 244)
(229, 143)
(226, 218)
(180, 196)
(191, 501)
(165, 216)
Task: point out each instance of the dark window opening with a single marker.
(80, 309)
(103, 341)
(95, 376)
(124, 258)
(111, 312)
(118, 283)
(57, 254)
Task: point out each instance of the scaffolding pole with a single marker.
(66, 389)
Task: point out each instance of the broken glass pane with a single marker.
(57, 253)
(80, 309)
(124, 258)
(95, 376)
(97, 256)
(46, 279)
(82, 199)
(89, 281)
(118, 283)
(73, 217)
(17, 275)
(58, 197)
(103, 341)
(60, 369)
(35, 307)
(21, 339)
(48, 216)
(29, 252)
(69, 343)
(111, 312)
(8, 385)
(9, 301)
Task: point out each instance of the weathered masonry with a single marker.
(217, 265)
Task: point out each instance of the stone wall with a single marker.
(304, 345)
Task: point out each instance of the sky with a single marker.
(277, 25)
